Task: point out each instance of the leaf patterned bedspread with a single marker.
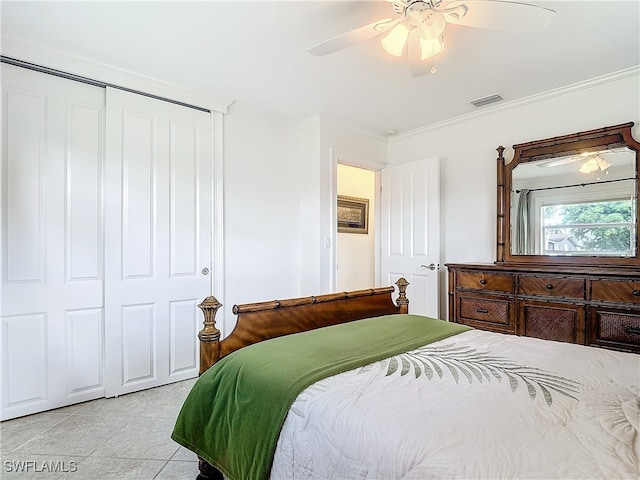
(477, 405)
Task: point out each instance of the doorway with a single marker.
(355, 261)
(403, 238)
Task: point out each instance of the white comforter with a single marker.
(484, 406)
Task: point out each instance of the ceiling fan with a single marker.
(591, 161)
(417, 30)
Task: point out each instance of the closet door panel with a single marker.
(51, 241)
(183, 354)
(184, 199)
(139, 189)
(83, 194)
(24, 119)
(158, 224)
(25, 377)
(84, 351)
(138, 343)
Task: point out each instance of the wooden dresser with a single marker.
(584, 305)
(587, 289)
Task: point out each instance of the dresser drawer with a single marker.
(615, 291)
(497, 282)
(486, 311)
(552, 286)
(551, 320)
(617, 328)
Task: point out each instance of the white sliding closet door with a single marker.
(158, 239)
(51, 262)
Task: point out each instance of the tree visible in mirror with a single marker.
(596, 227)
(596, 211)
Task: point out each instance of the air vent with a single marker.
(481, 102)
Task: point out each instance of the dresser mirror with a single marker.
(570, 200)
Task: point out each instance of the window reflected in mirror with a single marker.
(579, 205)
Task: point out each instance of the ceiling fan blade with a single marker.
(417, 66)
(354, 36)
(557, 162)
(499, 15)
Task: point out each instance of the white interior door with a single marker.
(158, 239)
(52, 238)
(410, 231)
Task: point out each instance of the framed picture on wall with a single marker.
(353, 214)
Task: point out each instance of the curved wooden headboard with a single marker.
(264, 320)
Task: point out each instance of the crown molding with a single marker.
(313, 119)
(352, 129)
(322, 119)
(630, 72)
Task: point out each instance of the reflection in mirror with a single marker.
(580, 205)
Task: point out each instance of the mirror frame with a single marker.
(600, 139)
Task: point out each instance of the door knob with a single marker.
(205, 271)
(431, 266)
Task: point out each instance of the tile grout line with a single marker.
(37, 435)
(145, 403)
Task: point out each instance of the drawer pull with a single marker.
(636, 293)
(548, 286)
(483, 281)
(482, 310)
(632, 330)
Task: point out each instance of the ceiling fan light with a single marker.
(432, 47)
(593, 164)
(431, 24)
(395, 41)
(586, 168)
(602, 163)
(589, 166)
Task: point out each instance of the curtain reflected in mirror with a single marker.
(522, 224)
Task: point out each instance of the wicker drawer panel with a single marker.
(565, 287)
(552, 321)
(485, 310)
(498, 282)
(615, 291)
(618, 327)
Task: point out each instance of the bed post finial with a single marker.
(403, 301)
(209, 336)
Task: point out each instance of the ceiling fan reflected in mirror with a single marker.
(417, 30)
(590, 161)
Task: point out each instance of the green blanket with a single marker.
(233, 415)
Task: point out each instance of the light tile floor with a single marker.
(127, 437)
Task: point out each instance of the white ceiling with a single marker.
(254, 53)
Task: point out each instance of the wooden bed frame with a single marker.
(260, 321)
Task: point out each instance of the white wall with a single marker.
(261, 205)
(279, 191)
(468, 156)
(322, 144)
(356, 251)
